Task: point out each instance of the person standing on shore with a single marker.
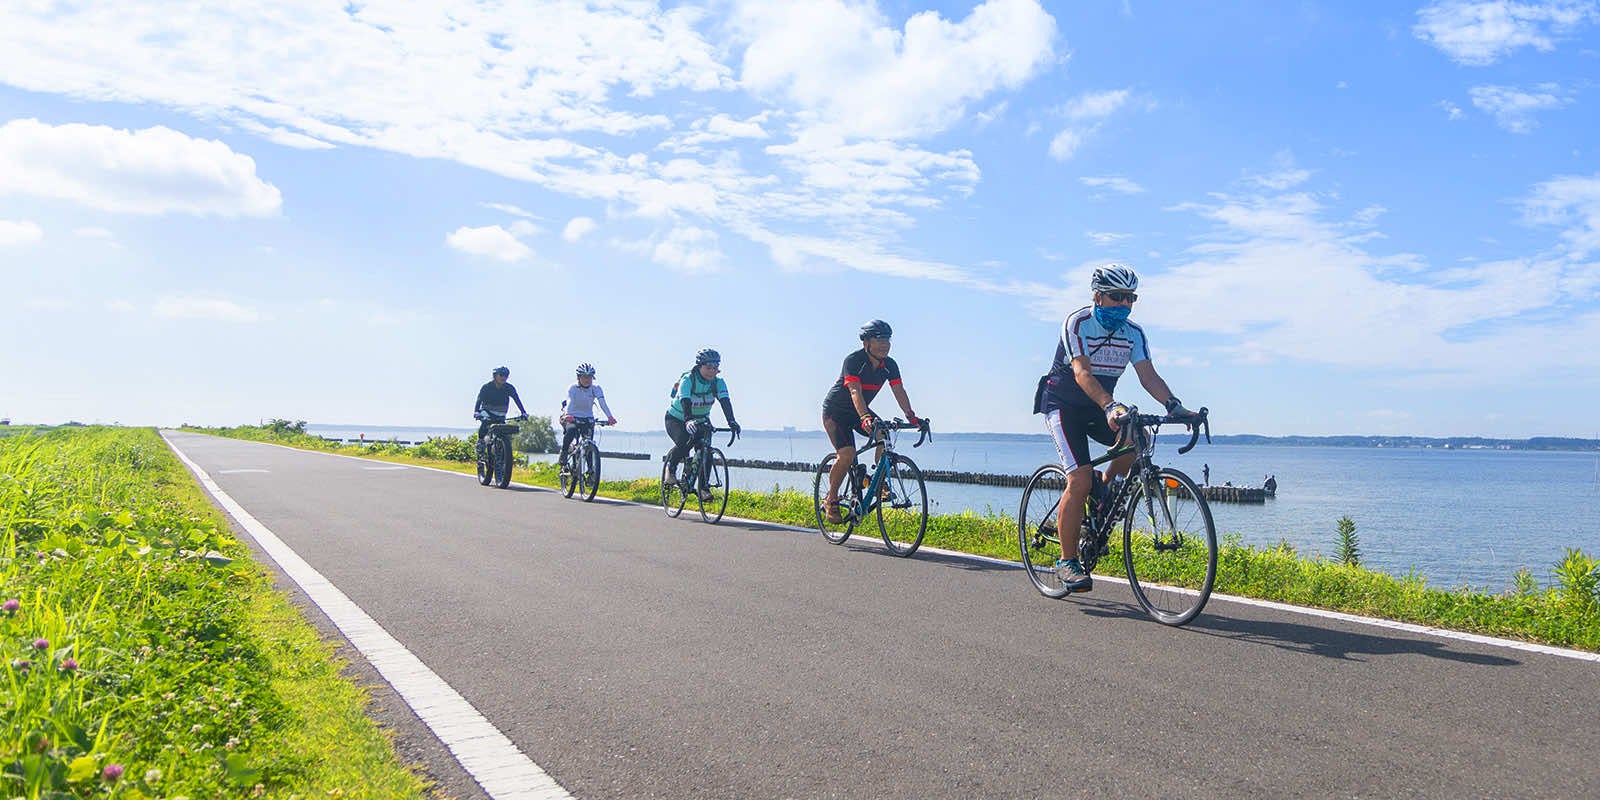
(1205, 474)
(1097, 343)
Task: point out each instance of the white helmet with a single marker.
(1114, 278)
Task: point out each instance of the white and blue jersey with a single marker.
(1109, 355)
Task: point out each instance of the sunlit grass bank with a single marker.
(1564, 611)
(146, 654)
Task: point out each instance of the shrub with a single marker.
(446, 448)
(536, 436)
(1349, 551)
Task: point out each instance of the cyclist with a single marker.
(494, 401)
(578, 410)
(1097, 344)
(844, 409)
(689, 417)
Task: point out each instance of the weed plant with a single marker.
(1566, 613)
(145, 654)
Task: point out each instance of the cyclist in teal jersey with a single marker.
(689, 418)
(1097, 343)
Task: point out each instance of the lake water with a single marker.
(1458, 517)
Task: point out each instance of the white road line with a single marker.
(493, 761)
(1408, 627)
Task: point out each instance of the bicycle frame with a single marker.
(882, 438)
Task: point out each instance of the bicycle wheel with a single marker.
(502, 460)
(672, 497)
(849, 500)
(485, 468)
(568, 476)
(902, 507)
(715, 480)
(1037, 538)
(1169, 545)
(588, 471)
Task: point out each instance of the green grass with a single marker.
(1565, 613)
(146, 654)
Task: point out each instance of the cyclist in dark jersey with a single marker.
(494, 401)
(1097, 343)
(844, 410)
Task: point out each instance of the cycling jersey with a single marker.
(497, 399)
(701, 394)
(858, 371)
(1109, 354)
(580, 401)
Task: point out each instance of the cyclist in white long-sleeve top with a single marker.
(578, 410)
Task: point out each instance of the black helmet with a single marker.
(707, 356)
(876, 329)
(506, 371)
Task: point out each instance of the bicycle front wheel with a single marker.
(485, 468)
(589, 471)
(502, 460)
(672, 497)
(714, 480)
(1169, 545)
(849, 497)
(902, 507)
(1037, 538)
(568, 476)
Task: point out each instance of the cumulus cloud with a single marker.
(18, 233)
(490, 241)
(1513, 108)
(689, 249)
(186, 307)
(151, 171)
(1479, 33)
(846, 65)
(1086, 113)
(1572, 203)
(578, 228)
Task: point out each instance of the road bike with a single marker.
(1169, 541)
(494, 450)
(705, 466)
(893, 491)
(580, 464)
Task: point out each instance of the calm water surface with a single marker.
(1457, 517)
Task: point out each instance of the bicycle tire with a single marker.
(485, 468)
(715, 479)
(849, 495)
(502, 459)
(672, 497)
(567, 477)
(1169, 546)
(904, 521)
(589, 471)
(1037, 538)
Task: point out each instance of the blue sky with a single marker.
(1348, 217)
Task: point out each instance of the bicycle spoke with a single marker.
(1170, 547)
(1038, 542)
(902, 506)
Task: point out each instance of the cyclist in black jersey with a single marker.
(494, 400)
(844, 410)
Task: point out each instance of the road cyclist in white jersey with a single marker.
(577, 411)
(1097, 344)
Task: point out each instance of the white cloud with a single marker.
(1451, 110)
(1480, 33)
(119, 306)
(509, 209)
(151, 171)
(1116, 184)
(1087, 112)
(14, 233)
(185, 307)
(491, 241)
(1513, 108)
(1105, 239)
(578, 228)
(1571, 202)
(718, 128)
(93, 233)
(689, 249)
(845, 64)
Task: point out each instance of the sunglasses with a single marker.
(1121, 297)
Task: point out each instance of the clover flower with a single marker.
(41, 644)
(11, 606)
(68, 665)
(112, 773)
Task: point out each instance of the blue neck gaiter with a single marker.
(1111, 317)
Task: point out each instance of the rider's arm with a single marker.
(600, 397)
(727, 409)
(857, 399)
(900, 397)
(477, 405)
(1152, 381)
(1084, 375)
(517, 399)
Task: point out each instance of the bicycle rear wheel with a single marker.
(672, 497)
(1037, 539)
(568, 476)
(715, 480)
(588, 471)
(502, 460)
(1169, 545)
(902, 507)
(849, 500)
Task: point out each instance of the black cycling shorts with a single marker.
(1071, 427)
(841, 429)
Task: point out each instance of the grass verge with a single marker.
(1566, 613)
(146, 655)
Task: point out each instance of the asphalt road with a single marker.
(631, 655)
